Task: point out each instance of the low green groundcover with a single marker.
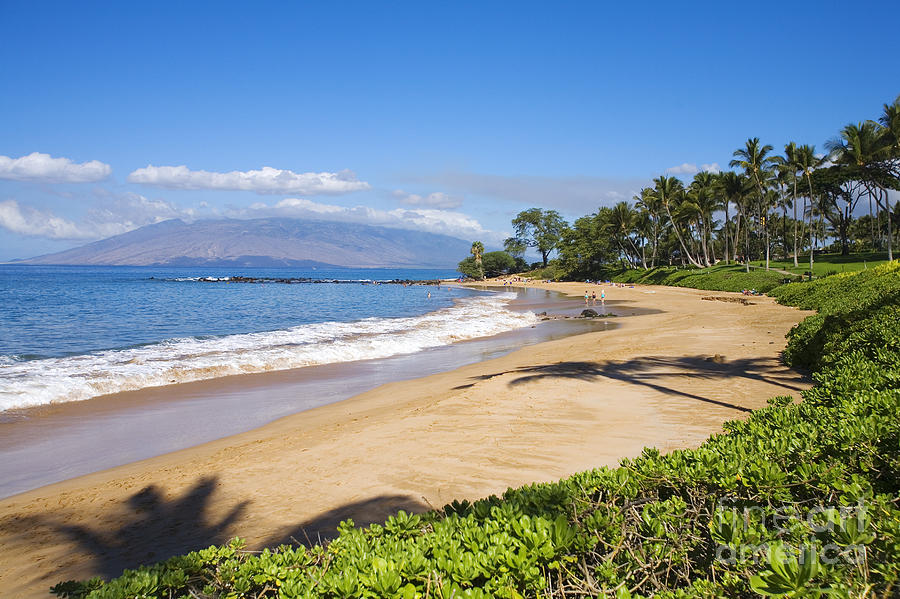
(800, 500)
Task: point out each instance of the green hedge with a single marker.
(800, 500)
(714, 278)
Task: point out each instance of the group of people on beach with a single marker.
(591, 300)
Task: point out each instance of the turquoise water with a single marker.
(71, 333)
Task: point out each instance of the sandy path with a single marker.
(538, 414)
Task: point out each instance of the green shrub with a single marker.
(715, 278)
(799, 500)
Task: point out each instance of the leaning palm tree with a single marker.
(623, 222)
(670, 191)
(756, 162)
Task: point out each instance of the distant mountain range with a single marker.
(265, 243)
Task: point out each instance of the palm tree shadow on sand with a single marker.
(155, 529)
(324, 526)
(651, 372)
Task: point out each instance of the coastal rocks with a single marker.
(736, 300)
(299, 280)
(589, 313)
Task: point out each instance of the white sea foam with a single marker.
(73, 378)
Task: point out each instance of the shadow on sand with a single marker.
(363, 513)
(151, 528)
(651, 372)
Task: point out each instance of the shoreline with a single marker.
(667, 377)
(64, 440)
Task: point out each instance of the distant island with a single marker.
(269, 242)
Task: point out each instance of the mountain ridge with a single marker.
(265, 242)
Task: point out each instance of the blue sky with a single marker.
(449, 117)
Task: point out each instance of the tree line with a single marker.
(769, 204)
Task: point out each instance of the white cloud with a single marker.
(686, 168)
(45, 168)
(689, 168)
(574, 195)
(438, 199)
(36, 223)
(264, 181)
(117, 214)
(454, 224)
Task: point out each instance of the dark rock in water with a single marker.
(588, 313)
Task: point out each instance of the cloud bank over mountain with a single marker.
(267, 242)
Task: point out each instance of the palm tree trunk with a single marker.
(784, 230)
(726, 230)
(684, 248)
(747, 240)
(811, 206)
(890, 232)
(872, 223)
(795, 221)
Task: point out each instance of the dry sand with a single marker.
(667, 378)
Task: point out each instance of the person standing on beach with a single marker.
(585, 298)
(602, 298)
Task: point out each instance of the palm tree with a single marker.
(756, 162)
(860, 148)
(890, 121)
(782, 179)
(478, 251)
(669, 191)
(623, 221)
(705, 198)
(792, 165)
(649, 202)
(807, 161)
(734, 189)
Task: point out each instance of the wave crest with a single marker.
(74, 378)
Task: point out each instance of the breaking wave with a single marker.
(27, 383)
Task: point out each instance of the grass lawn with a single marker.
(829, 263)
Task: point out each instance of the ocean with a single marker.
(75, 333)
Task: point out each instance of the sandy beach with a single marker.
(677, 364)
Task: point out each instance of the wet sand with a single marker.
(52, 443)
(668, 374)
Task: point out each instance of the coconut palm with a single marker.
(757, 164)
(649, 203)
(890, 121)
(733, 188)
(705, 196)
(860, 148)
(807, 161)
(623, 222)
(478, 252)
(669, 191)
(792, 166)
